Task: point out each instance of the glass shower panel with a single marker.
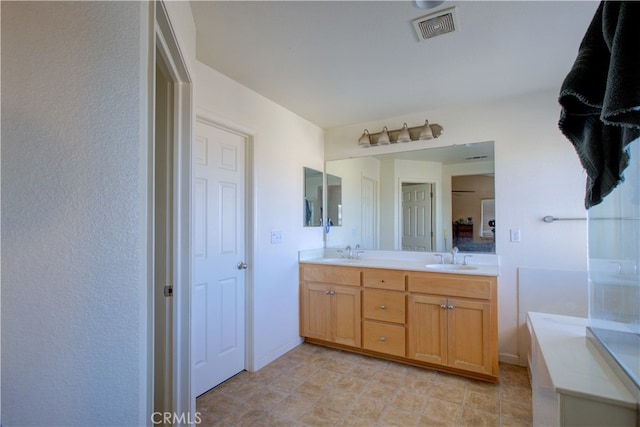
(614, 261)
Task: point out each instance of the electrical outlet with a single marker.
(515, 234)
(276, 236)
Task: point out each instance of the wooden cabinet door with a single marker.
(345, 312)
(427, 325)
(316, 303)
(469, 333)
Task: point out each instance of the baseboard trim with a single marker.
(511, 359)
(278, 352)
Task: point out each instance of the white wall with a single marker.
(284, 143)
(537, 173)
(74, 289)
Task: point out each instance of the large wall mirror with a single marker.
(422, 200)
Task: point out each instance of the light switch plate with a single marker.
(515, 234)
(276, 236)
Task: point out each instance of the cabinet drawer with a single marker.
(456, 285)
(331, 274)
(383, 279)
(387, 306)
(383, 338)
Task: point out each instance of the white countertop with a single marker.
(478, 264)
(574, 364)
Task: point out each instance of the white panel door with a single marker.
(218, 294)
(416, 217)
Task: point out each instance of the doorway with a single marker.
(168, 218)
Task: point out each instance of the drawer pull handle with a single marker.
(383, 339)
(383, 306)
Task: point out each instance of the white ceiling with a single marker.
(337, 62)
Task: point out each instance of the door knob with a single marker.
(241, 265)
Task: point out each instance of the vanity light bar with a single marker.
(405, 134)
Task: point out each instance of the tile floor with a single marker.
(317, 386)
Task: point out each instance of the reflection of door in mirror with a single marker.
(312, 201)
(334, 200)
(417, 217)
(369, 207)
(468, 192)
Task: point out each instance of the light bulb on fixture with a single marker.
(364, 140)
(426, 132)
(384, 137)
(404, 135)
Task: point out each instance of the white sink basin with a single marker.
(451, 267)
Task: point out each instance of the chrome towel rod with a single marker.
(550, 218)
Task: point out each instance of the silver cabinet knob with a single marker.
(443, 306)
(327, 293)
(450, 307)
(332, 293)
(241, 265)
(383, 339)
(383, 306)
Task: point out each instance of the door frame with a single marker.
(250, 137)
(165, 43)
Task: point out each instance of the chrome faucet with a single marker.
(454, 252)
(348, 251)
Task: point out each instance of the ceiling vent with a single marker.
(435, 24)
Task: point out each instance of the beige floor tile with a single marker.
(245, 418)
(272, 420)
(337, 399)
(474, 417)
(362, 371)
(311, 391)
(450, 392)
(518, 410)
(393, 416)
(441, 413)
(488, 402)
(368, 408)
(354, 385)
(293, 407)
(507, 421)
(350, 420)
(409, 401)
(325, 377)
(286, 383)
(378, 391)
(389, 378)
(515, 393)
(266, 398)
(320, 416)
